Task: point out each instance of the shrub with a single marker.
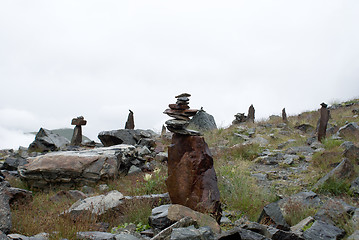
(335, 187)
(295, 211)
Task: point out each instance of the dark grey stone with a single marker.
(12, 163)
(333, 211)
(323, 231)
(96, 236)
(5, 214)
(46, 140)
(203, 121)
(124, 136)
(305, 150)
(355, 186)
(241, 233)
(158, 218)
(191, 233)
(277, 234)
(272, 216)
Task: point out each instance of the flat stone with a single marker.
(322, 230)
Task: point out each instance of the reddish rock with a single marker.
(192, 180)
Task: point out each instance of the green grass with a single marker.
(335, 187)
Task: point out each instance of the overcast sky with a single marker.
(62, 59)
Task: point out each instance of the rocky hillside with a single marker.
(276, 181)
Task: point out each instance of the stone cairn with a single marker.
(77, 135)
(239, 118)
(323, 121)
(192, 180)
(130, 124)
(284, 116)
(181, 113)
(251, 112)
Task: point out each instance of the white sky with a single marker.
(63, 59)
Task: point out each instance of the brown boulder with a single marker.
(192, 180)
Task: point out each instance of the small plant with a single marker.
(335, 187)
(139, 227)
(295, 211)
(306, 227)
(153, 183)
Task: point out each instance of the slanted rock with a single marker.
(77, 135)
(349, 130)
(344, 170)
(130, 123)
(272, 216)
(75, 167)
(203, 121)
(191, 233)
(5, 214)
(284, 116)
(351, 151)
(333, 211)
(46, 141)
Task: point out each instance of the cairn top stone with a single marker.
(78, 121)
(183, 95)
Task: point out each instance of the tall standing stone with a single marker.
(77, 135)
(251, 112)
(284, 116)
(192, 180)
(130, 124)
(323, 121)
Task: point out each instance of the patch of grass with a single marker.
(295, 211)
(241, 152)
(323, 162)
(240, 192)
(335, 187)
(331, 144)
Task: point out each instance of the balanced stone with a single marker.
(77, 135)
(323, 121)
(239, 118)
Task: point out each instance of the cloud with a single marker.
(12, 139)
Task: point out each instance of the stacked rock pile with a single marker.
(181, 113)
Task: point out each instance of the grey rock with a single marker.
(305, 199)
(96, 206)
(143, 151)
(203, 121)
(354, 236)
(125, 236)
(323, 231)
(159, 217)
(166, 233)
(298, 228)
(134, 170)
(18, 196)
(342, 171)
(350, 129)
(76, 167)
(277, 234)
(305, 150)
(191, 233)
(334, 210)
(352, 152)
(95, 236)
(5, 214)
(46, 140)
(259, 140)
(272, 216)
(12, 163)
(306, 128)
(242, 136)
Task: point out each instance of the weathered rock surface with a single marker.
(124, 136)
(5, 214)
(74, 167)
(46, 140)
(195, 186)
(97, 205)
(203, 121)
(323, 231)
(333, 211)
(71, 194)
(349, 130)
(12, 163)
(191, 233)
(130, 123)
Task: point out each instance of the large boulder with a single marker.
(323, 230)
(46, 141)
(125, 136)
(272, 216)
(203, 121)
(75, 167)
(192, 180)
